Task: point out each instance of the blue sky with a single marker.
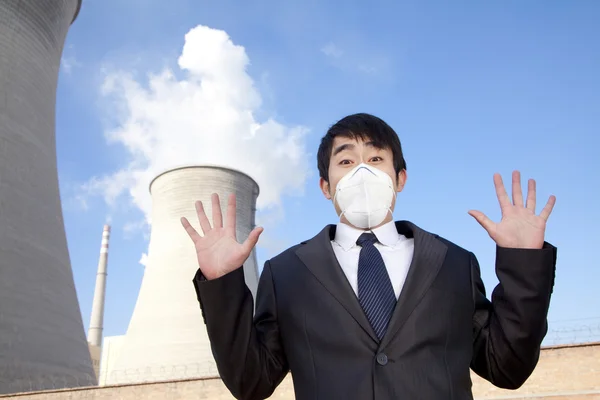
(472, 88)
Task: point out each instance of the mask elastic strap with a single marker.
(334, 199)
(342, 215)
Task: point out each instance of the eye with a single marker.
(344, 162)
(376, 158)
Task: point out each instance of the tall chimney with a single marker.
(96, 320)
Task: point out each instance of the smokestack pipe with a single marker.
(96, 320)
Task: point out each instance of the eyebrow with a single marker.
(350, 146)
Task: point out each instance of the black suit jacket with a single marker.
(309, 322)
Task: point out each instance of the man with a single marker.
(371, 308)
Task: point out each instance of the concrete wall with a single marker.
(569, 372)
(561, 369)
(111, 348)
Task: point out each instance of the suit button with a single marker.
(382, 359)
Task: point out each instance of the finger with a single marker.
(501, 192)
(202, 219)
(194, 235)
(216, 211)
(484, 221)
(252, 239)
(547, 210)
(231, 217)
(531, 195)
(517, 193)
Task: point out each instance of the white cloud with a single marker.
(360, 58)
(331, 50)
(144, 259)
(68, 61)
(206, 117)
(367, 69)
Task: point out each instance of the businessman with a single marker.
(370, 308)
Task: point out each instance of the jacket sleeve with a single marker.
(247, 349)
(508, 330)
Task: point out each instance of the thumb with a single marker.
(252, 239)
(483, 220)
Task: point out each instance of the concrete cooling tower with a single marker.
(42, 339)
(166, 337)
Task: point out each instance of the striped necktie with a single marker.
(375, 292)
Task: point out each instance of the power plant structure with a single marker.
(166, 338)
(42, 338)
(97, 318)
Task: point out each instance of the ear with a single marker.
(401, 180)
(325, 188)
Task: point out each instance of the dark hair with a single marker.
(364, 127)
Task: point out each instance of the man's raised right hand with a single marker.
(218, 251)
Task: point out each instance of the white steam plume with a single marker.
(207, 117)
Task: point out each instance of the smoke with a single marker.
(206, 117)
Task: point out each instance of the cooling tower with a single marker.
(42, 339)
(166, 337)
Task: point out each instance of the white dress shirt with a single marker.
(396, 250)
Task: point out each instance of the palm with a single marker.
(218, 251)
(519, 227)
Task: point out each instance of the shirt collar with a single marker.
(346, 235)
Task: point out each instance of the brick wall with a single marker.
(564, 372)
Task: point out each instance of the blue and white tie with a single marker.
(375, 291)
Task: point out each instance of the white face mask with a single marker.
(365, 196)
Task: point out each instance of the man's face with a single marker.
(347, 153)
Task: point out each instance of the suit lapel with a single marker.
(428, 257)
(318, 256)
